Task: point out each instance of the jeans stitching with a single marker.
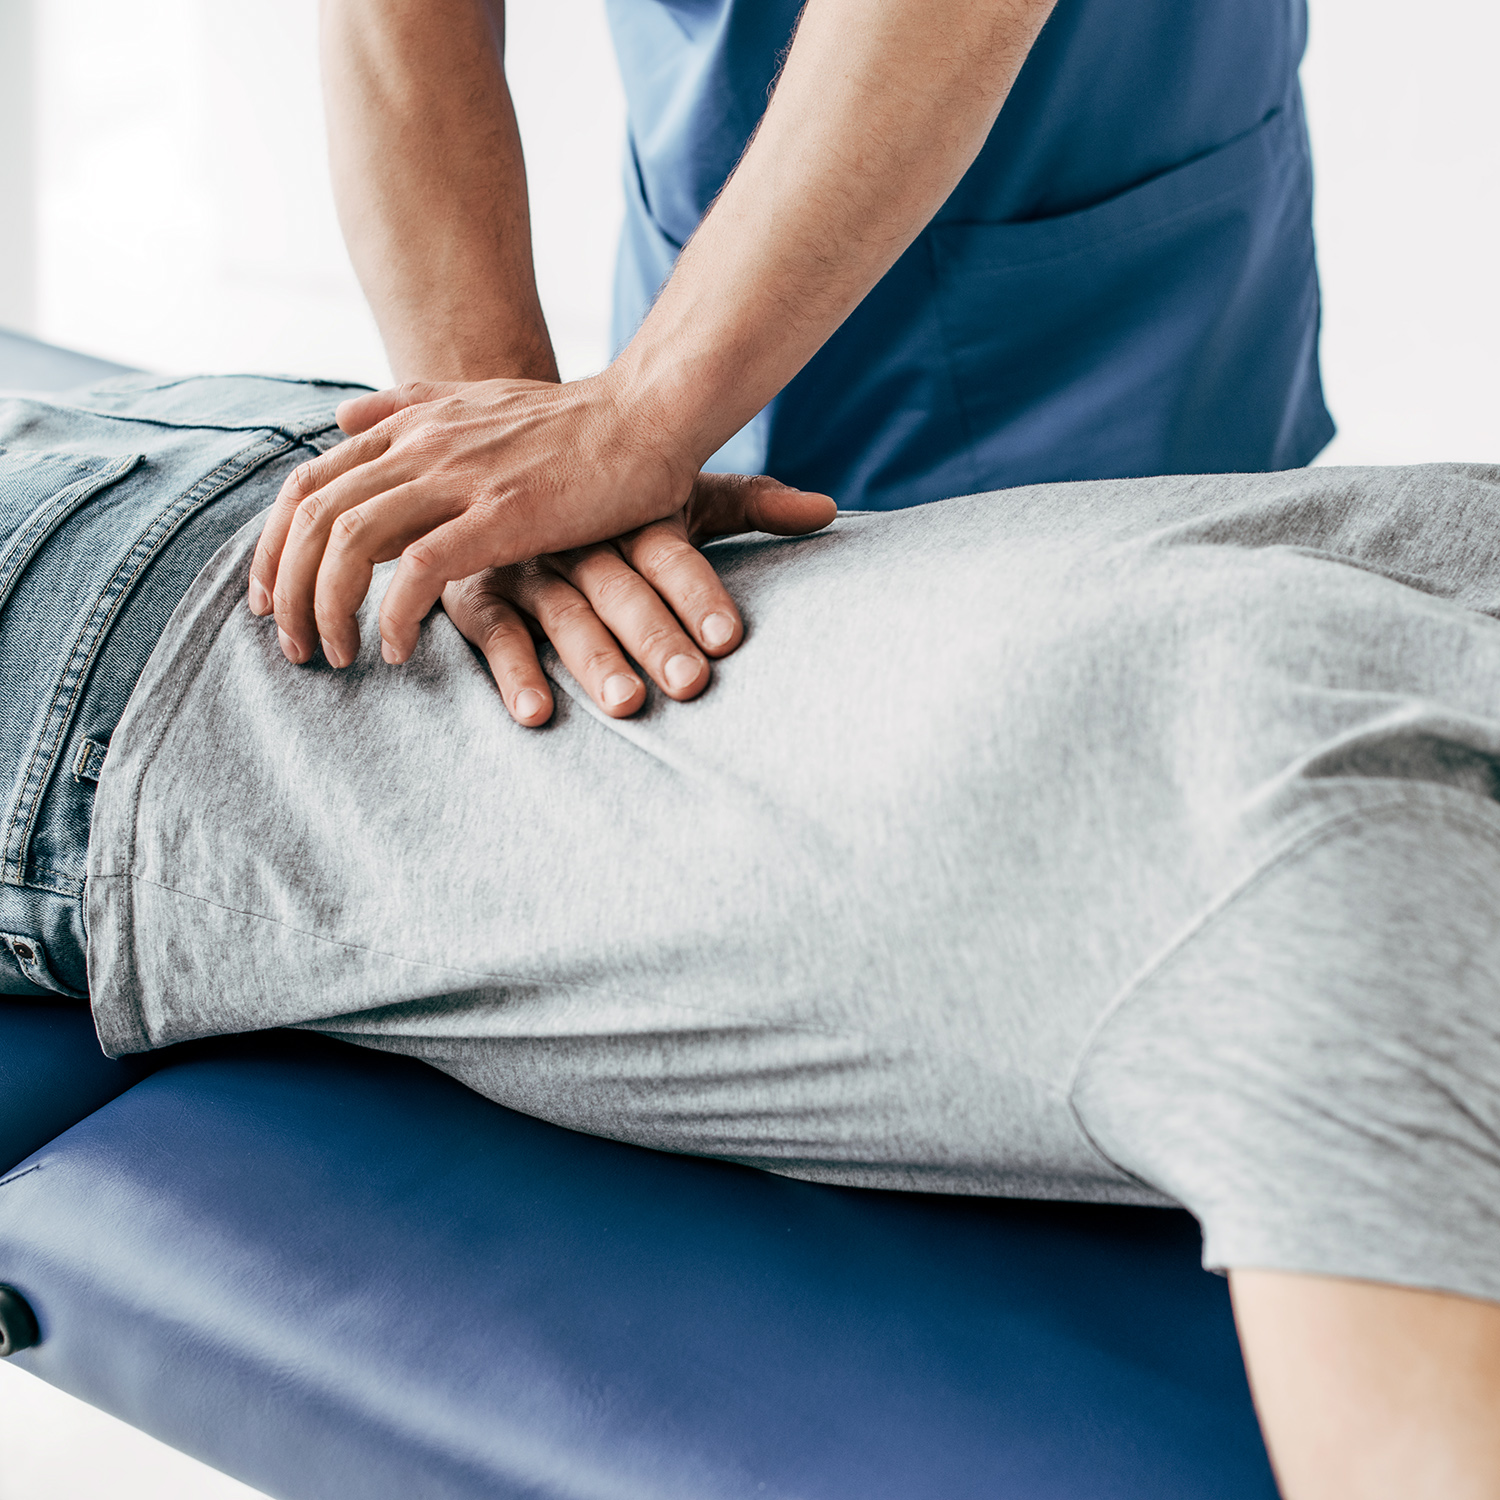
(86, 648)
(29, 540)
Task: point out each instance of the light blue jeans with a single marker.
(111, 501)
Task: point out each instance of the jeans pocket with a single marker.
(42, 607)
(1169, 329)
(38, 492)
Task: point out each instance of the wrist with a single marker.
(693, 372)
(472, 353)
(656, 408)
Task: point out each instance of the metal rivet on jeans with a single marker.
(24, 952)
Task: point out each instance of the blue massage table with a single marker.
(334, 1273)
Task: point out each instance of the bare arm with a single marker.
(431, 189)
(431, 186)
(1367, 1391)
(881, 108)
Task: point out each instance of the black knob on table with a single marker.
(18, 1328)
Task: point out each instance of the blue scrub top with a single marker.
(1123, 282)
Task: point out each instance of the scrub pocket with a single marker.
(1189, 341)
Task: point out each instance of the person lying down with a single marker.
(1132, 841)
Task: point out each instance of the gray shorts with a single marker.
(1132, 841)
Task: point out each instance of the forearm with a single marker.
(431, 186)
(881, 108)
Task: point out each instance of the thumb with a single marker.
(360, 413)
(726, 504)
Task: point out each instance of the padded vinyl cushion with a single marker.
(339, 1274)
(52, 1073)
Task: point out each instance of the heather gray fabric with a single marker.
(1122, 841)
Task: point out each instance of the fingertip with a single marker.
(260, 598)
(347, 415)
(784, 511)
(820, 509)
(336, 655)
(621, 695)
(531, 708)
(718, 631)
(685, 676)
(390, 653)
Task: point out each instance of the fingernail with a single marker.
(330, 655)
(529, 703)
(682, 671)
(717, 630)
(260, 600)
(390, 653)
(619, 689)
(289, 648)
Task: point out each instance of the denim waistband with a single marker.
(112, 500)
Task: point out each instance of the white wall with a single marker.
(186, 221)
(17, 166)
(1405, 115)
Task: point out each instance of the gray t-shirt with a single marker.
(1096, 840)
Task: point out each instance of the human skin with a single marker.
(1364, 1391)
(431, 188)
(1372, 1392)
(881, 107)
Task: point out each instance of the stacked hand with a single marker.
(497, 497)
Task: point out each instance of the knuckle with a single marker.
(658, 640)
(496, 632)
(599, 661)
(570, 612)
(308, 516)
(303, 479)
(418, 442)
(508, 643)
(473, 596)
(615, 587)
(349, 527)
(663, 554)
(330, 622)
(423, 556)
(489, 508)
(413, 393)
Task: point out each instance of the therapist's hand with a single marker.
(650, 595)
(453, 479)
